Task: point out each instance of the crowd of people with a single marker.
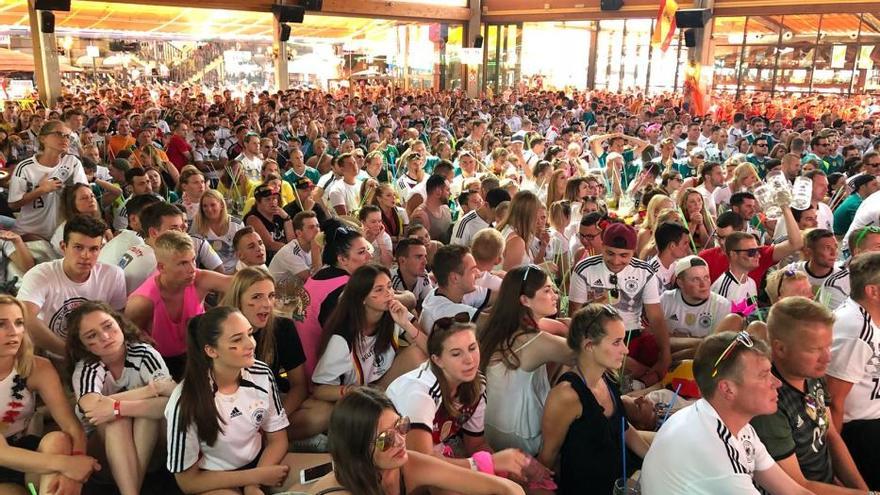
(530, 292)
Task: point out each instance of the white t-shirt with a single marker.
(824, 220)
(48, 287)
(143, 365)
(344, 194)
(290, 260)
(214, 154)
(138, 262)
(40, 216)
(835, 290)
(252, 167)
(489, 280)
(254, 408)
(467, 227)
(422, 288)
(855, 358)
(688, 320)
(416, 394)
(817, 282)
(358, 364)
(636, 286)
(729, 287)
(665, 274)
(436, 306)
(695, 453)
(382, 244)
(222, 244)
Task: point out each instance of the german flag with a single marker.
(665, 28)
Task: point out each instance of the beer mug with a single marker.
(802, 193)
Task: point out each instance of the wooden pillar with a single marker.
(473, 29)
(279, 48)
(46, 68)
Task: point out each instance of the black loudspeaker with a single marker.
(52, 5)
(286, 13)
(284, 35)
(611, 4)
(478, 42)
(316, 5)
(692, 18)
(47, 22)
(690, 38)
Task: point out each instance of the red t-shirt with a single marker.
(718, 263)
(177, 148)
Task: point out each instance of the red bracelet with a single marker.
(77, 452)
(117, 409)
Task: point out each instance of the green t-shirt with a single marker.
(844, 214)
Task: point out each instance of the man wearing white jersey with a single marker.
(410, 273)
(853, 375)
(51, 290)
(474, 221)
(630, 285)
(456, 271)
(295, 258)
(744, 254)
(820, 257)
(673, 243)
(835, 290)
(709, 448)
(867, 215)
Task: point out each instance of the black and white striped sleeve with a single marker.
(183, 446)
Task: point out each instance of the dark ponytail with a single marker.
(197, 395)
(338, 238)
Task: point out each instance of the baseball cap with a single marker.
(684, 264)
(619, 236)
(349, 120)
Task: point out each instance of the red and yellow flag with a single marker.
(665, 28)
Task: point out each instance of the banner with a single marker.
(665, 28)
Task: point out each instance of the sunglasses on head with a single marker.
(741, 338)
(790, 271)
(447, 322)
(393, 436)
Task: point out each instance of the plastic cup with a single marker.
(626, 487)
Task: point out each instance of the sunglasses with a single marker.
(741, 338)
(750, 252)
(393, 436)
(615, 291)
(873, 229)
(789, 272)
(447, 322)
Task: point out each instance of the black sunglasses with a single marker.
(750, 252)
(614, 291)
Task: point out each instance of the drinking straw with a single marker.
(671, 403)
(32, 489)
(690, 234)
(623, 446)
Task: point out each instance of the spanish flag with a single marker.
(665, 28)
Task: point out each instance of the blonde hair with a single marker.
(522, 215)
(774, 284)
(24, 358)
(243, 280)
(487, 245)
(200, 223)
(172, 242)
(791, 313)
(740, 173)
(186, 173)
(652, 212)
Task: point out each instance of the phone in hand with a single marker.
(314, 473)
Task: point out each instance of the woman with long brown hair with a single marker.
(523, 243)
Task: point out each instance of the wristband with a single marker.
(484, 462)
(77, 452)
(473, 464)
(117, 410)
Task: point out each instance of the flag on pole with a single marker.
(665, 28)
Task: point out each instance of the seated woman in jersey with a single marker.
(361, 340)
(583, 415)
(345, 250)
(515, 353)
(226, 422)
(121, 385)
(370, 456)
(445, 398)
(58, 458)
(253, 293)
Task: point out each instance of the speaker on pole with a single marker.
(611, 4)
(690, 37)
(47, 22)
(288, 13)
(478, 42)
(284, 35)
(63, 5)
(692, 18)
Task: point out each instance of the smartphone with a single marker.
(314, 473)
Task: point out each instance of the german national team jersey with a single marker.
(467, 227)
(799, 426)
(417, 394)
(735, 290)
(248, 412)
(420, 289)
(636, 286)
(835, 289)
(817, 282)
(855, 358)
(692, 320)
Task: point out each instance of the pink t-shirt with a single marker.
(309, 327)
(170, 335)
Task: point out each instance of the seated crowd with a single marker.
(529, 293)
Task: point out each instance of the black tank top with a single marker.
(590, 459)
(275, 226)
(341, 489)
